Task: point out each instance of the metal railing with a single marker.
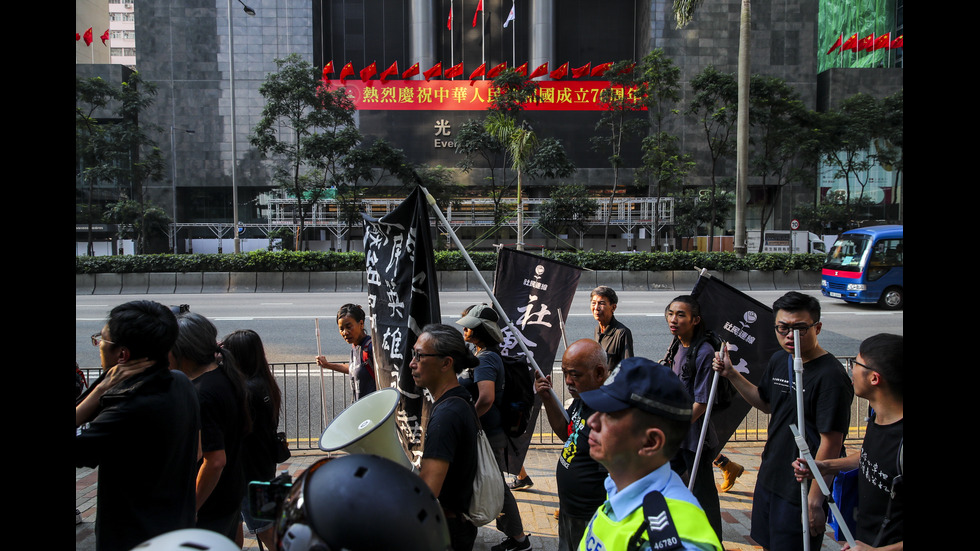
(307, 392)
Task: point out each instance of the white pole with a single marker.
(798, 369)
(496, 303)
(323, 388)
(704, 426)
(805, 454)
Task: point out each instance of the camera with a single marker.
(265, 498)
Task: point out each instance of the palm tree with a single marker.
(520, 143)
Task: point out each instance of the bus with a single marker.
(865, 266)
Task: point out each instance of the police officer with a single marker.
(642, 415)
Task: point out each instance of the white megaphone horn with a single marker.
(368, 426)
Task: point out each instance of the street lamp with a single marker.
(173, 155)
(234, 135)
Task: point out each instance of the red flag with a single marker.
(105, 36)
(480, 71)
(522, 70)
(850, 43)
(840, 40)
(582, 71)
(449, 22)
(560, 72)
(389, 72)
(883, 41)
(368, 72)
(347, 71)
(540, 71)
(479, 8)
(88, 37)
(492, 73)
(327, 70)
(77, 37)
(454, 71)
(411, 72)
(435, 71)
(601, 69)
(866, 43)
(899, 42)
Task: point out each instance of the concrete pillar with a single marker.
(542, 34)
(422, 35)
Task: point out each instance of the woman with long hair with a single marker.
(224, 421)
(264, 400)
(350, 323)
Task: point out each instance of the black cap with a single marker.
(643, 384)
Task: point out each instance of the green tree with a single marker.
(370, 164)
(891, 144)
(715, 106)
(569, 210)
(137, 221)
(694, 209)
(93, 150)
(308, 129)
(520, 143)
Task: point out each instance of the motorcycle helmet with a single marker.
(361, 502)
(188, 539)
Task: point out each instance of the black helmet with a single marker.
(337, 504)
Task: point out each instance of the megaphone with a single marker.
(368, 426)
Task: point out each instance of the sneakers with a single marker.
(731, 471)
(522, 484)
(510, 544)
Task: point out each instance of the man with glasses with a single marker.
(139, 423)
(827, 396)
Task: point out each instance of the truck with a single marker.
(785, 241)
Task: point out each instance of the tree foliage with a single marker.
(568, 210)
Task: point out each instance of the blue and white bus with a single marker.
(865, 265)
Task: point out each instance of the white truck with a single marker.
(785, 241)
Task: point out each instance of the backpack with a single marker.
(488, 484)
(725, 393)
(517, 397)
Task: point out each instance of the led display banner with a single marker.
(450, 95)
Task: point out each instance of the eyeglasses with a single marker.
(851, 362)
(784, 329)
(417, 356)
(97, 338)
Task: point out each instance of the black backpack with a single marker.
(517, 397)
(725, 393)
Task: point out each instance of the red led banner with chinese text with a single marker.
(458, 95)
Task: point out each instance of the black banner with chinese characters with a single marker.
(747, 325)
(532, 291)
(403, 297)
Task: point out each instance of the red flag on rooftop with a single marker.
(492, 73)
(479, 72)
(411, 72)
(479, 8)
(327, 70)
(435, 71)
(840, 40)
(77, 37)
(866, 43)
(522, 70)
(850, 43)
(88, 37)
(105, 36)
(899, 42)
(454, 71)
(449, 22)
(391, 71)
(540, 71)
(347, 71)
(368, 72)
(560, 72)
(601, 69)
(582, 71)
(883, 41)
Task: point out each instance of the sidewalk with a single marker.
(537, 505)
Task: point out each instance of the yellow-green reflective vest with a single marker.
(604, 534)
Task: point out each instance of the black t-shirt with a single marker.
(450, 435)
(490, 368)
(879, 466)
(827, 396)
(222, 428)
(259, 446)
(580, 478)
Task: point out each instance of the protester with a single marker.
(615, 338)
(350, 322)
(580, 478)
(260, 445)
(485, 384)
(689, 357)
(449, 459)
(827, 396)
(642, 415)
(878, 373)
(139, 423)
(225, 420)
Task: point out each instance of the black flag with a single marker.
(403, 297)
(746, 324)
(532, 291)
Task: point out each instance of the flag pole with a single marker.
(812, 465)
(704, 425)
(798, 370)
(496, 303)
(323, 388)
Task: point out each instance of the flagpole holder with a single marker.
(805, 454)
(798, 375)
(489, 291)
